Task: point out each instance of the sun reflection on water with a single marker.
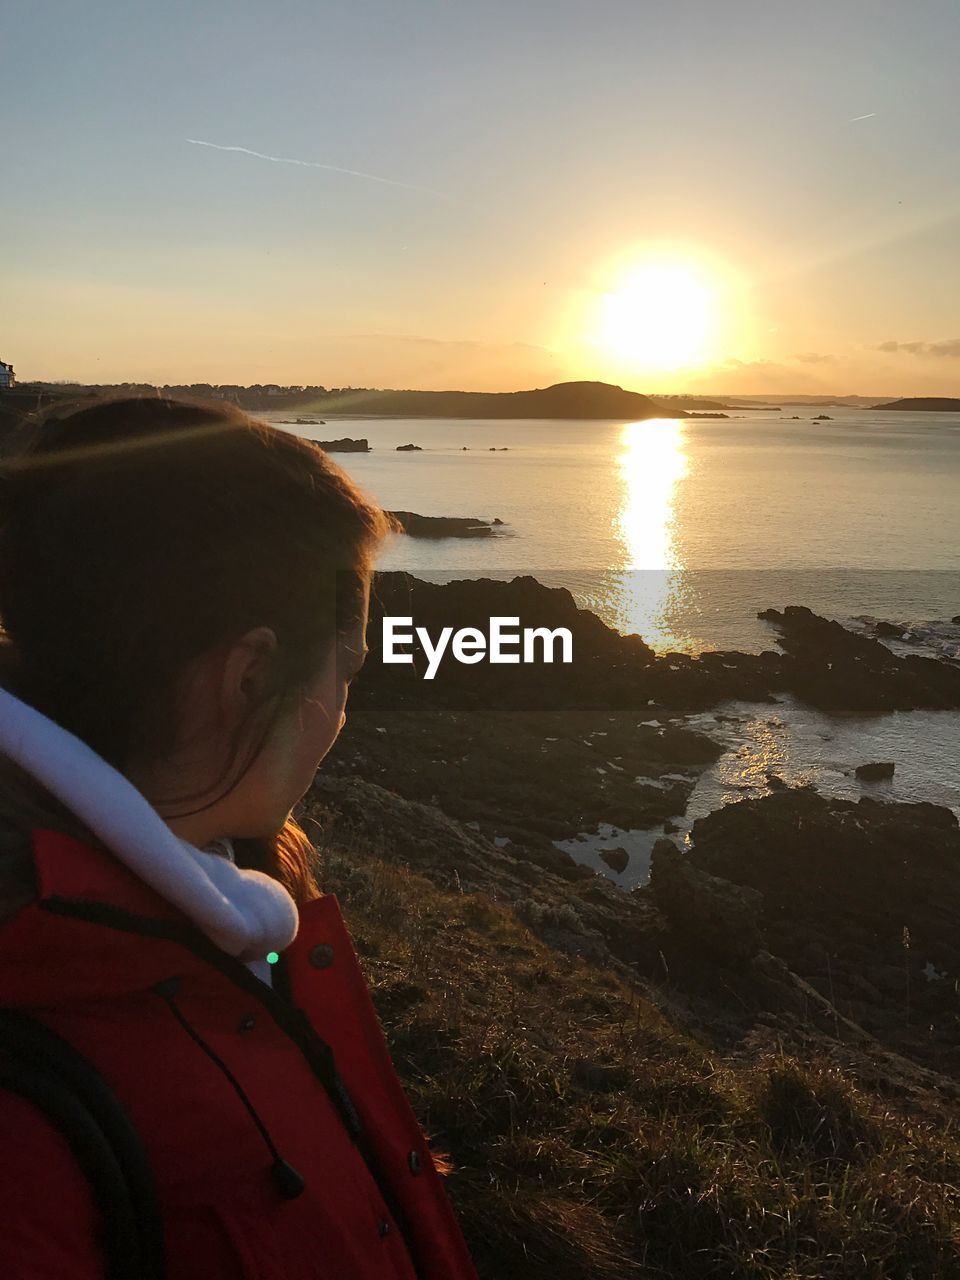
(651, 466)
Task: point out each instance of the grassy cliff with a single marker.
(603, 1125)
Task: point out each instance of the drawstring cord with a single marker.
(290, 1183)
(320, 1055)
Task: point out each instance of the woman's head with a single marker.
(185, 589)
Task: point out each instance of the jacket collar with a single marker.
(244, 912)
(94, 929)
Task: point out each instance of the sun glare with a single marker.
(652, 464)
(660, 317)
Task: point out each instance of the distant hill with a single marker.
(690, 402)
(924, 404)
(819, 401)
(563, 400)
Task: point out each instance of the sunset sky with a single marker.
(753, 196)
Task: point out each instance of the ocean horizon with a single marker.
(681, 530)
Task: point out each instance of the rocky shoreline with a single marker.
(820, 662)
(807, 911)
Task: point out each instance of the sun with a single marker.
(659, 317)
(660, 314)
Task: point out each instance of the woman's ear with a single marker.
(246, 672)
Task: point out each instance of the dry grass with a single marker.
(590, 1138)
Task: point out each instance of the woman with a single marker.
(184, 592)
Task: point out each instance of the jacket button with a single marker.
(413, 1160)
(247, 1022)
(383, 1226)
(321, 956)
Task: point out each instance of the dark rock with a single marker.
(838, 670)
(878, 771)
(931, 817)
(705, 911)
(556, 860)
(346, 445)
(529, 774)
(409, 448)
(840, 881)
(616, 859)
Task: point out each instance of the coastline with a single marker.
(615, 1122)
(623, 741)
(779, 992)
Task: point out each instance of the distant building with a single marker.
(7, 376)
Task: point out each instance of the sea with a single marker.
(682, 530)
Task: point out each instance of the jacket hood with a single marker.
(51, 779)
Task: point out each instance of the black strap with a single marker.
(59, 1081)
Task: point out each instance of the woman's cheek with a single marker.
(329, 723)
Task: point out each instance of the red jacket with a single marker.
(92, 958)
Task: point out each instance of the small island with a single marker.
(346, 445)
(417, 526)
(924, 404)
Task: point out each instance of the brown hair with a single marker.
(139, 533)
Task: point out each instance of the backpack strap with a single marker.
(47, 1071)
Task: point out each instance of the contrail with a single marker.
(312, 164)
(868, 116)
